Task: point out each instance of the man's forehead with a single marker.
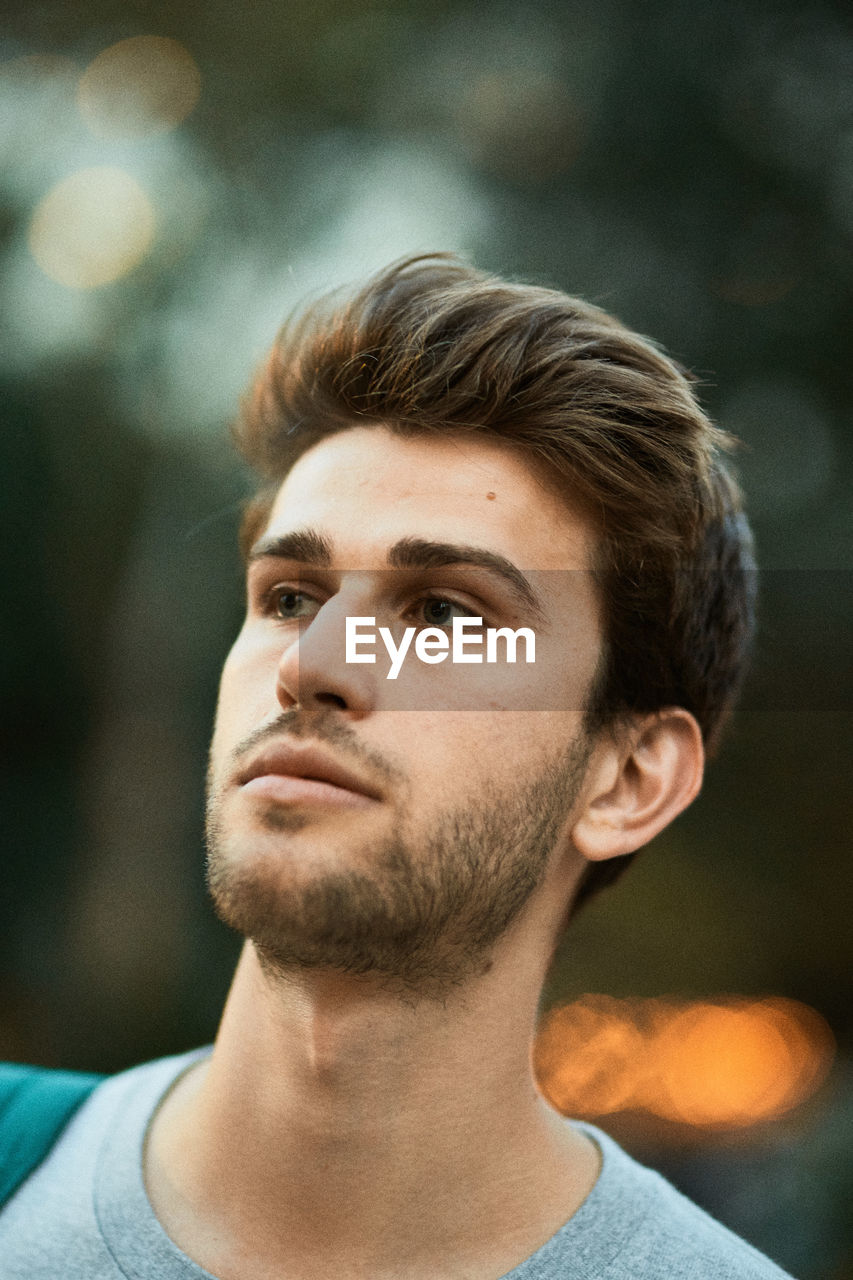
(367, 489)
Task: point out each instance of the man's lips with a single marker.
(280, 768)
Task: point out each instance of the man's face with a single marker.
(398, 827)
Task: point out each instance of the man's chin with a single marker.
(338, 922)
(420, 904)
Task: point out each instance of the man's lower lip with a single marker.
(288, 790)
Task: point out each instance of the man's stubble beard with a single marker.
(428, 913)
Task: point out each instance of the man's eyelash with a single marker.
(269, 597)
(440, 597)
(268, 600)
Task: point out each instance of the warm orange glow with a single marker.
(92, 228)
(720, 1064)
(584, 1046)
(140, 86)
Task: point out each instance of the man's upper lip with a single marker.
(293, 760)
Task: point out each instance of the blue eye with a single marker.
(438, 612)
(288, 604)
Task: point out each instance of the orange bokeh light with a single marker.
(721, 1064)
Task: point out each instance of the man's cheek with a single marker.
(249, 672)
(238, 709)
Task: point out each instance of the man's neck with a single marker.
(338, 1129)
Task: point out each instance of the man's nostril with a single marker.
(331, 699)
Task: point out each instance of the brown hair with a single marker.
(430, 344)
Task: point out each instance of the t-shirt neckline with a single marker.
(594, 1235)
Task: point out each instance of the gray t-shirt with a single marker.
(84, 1214)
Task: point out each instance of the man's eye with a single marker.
(287, 604)
(438, 612)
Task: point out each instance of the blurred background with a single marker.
(175, 178)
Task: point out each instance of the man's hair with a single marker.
(432, 345)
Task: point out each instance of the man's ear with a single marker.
(638, 781)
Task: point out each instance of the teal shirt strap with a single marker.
(35, 1106)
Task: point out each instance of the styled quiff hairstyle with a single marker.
(432, 345)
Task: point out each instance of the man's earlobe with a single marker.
(643, 780)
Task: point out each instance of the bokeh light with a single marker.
(138, 87)
(723, 1064)
(734, 1065)
(523, 125)
(92, 228)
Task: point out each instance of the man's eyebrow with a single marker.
(311, 547)
(306, 545)
(420, 553)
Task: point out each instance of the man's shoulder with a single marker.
(35, 1105)
(665, 1235)
(61, 1220)
(680, 1239)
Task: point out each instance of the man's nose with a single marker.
(313, 670)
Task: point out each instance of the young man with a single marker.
(401, 841)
